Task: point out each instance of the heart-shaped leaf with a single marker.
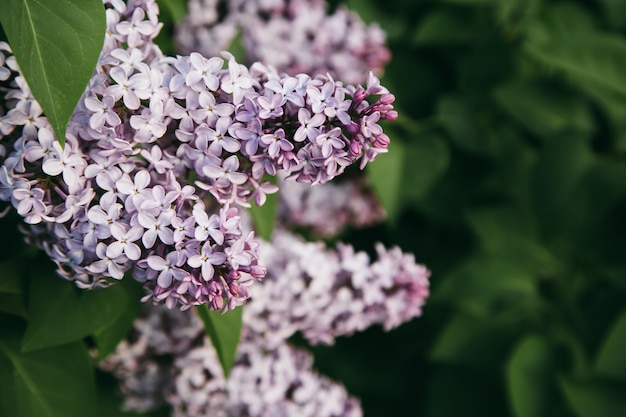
(50, 382)
(57, 44)
(224, 330)
(60, 313)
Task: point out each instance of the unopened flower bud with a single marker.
(355, 148)
(390, 115)
(382, 141)
(257, 271)
(387, 98)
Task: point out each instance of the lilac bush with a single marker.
(161, 153)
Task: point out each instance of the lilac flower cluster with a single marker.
(328, 209)
(161, 150)
(319, 292)
(292, 35)
(276, 382)
(325, 293)
(264, 383)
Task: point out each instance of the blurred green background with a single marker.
(507, 178)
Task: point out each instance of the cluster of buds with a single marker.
(294, 36)
(160, 152)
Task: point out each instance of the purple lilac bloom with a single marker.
(328, 209)
(324, 293)
(294, 36)
(263, 382)
(146, 145)
(319, 292)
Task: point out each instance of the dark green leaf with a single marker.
(443, 27)
(454, 391)
(557, 177)
(595, 398)
(371, 11)
(596, 58)
(49, 382)
(264, 217)
(615, 13)
(385, 175)
(509, 231)
(530, 377)
(476, 340)
(56, 44)
(487, 285)
(107, 338)
(224, 330)
(176, 8)
(543, 109)
(426, 159)
(60, 313)
(460, 120)
(611, 360)
(11, 291)
(471, 2)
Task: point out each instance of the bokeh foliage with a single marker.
(510, 185)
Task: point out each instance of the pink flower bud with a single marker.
(257, 271)
(359, 96)
(382, 141)
(390, 115)
(387, 98)
(355, 148)
(353, 128)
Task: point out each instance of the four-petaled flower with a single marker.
(124, 242)
(168, 269)
(205, 260)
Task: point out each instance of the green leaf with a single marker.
(615, 13)
(509, 231)
(557, 177)
(60, 313)
(486, 285)
(47, 383)
(476, 340)
(109, 337)
(11, 292)
(471, 2)
(426, 159)
(372, 11)
(444, 27)
(459, 118)
(264, 217)
(224, 330)
(611, 360)
(176, 8)
(597, 58)
(453, 391)
(57, 44)
(544, 109)
(594, 398)
(529, 377)
(385, 176)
